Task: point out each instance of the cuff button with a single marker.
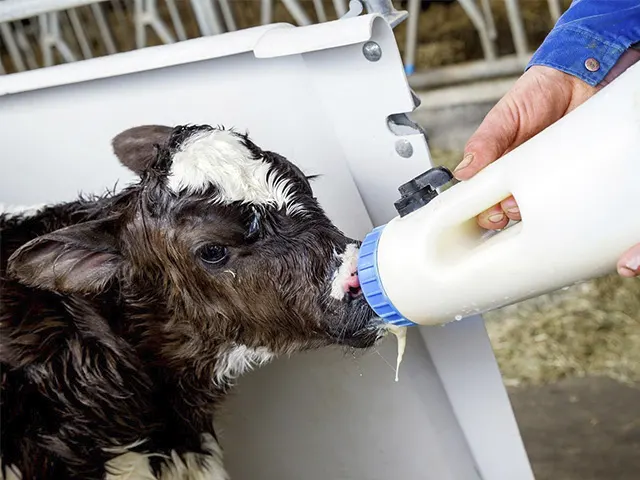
(592, 64)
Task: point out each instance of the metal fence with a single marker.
(41, 33)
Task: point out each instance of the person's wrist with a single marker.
(573, 86)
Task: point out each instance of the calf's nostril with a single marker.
(353, 281)
(353, 285)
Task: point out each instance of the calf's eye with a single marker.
(213, 254)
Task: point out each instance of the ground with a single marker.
(580, 429)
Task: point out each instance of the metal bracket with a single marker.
(383, 7)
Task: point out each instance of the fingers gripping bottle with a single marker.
(577, 184)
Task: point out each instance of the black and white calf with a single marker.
(125, 318)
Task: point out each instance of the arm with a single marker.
(587, 48)
(590, 38)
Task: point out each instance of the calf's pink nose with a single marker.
(352, 283)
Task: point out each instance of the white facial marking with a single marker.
(21, 210)
(218, 157)
(190, 466)
(239, 359)
(348, 265)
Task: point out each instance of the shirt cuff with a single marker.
(578, 52)
(628, 58)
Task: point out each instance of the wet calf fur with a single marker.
(125, 318)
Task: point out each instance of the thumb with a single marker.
(491, 140)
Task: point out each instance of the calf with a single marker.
(125, 318)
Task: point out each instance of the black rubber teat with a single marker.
(421, 190)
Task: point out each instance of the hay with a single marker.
(593, 329)
(447, 36)
(588, 329)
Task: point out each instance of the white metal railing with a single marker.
(33, 32)
(482, 18)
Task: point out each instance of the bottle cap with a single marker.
(370, 281)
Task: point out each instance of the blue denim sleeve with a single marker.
(590, 37)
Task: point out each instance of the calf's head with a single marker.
(219, 252)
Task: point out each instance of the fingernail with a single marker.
(631, 268)
(513, 209)
(626, 272)
(510, 206)
(468, 158)
(496, 218)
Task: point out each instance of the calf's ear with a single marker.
(81, 258)
(136, 147)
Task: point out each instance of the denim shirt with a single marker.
(590, 37)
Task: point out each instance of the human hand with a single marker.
(540, 97)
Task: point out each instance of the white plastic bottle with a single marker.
(577, 184)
